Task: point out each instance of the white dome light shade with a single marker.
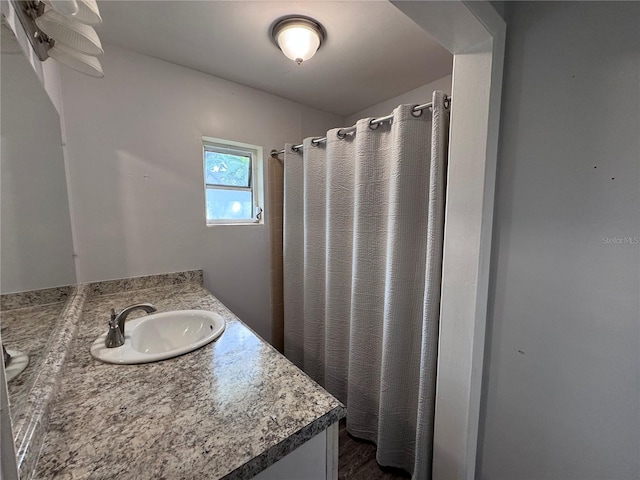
(298, 38)
(298, 43)
(78, 61)
(70, 32)
(65, 7)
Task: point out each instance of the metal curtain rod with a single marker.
(373, 124)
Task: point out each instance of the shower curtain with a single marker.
(363, 228)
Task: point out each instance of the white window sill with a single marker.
(233, 223)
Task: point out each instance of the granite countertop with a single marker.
(227, 410)
(18, 333)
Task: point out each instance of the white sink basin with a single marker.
(160, 336)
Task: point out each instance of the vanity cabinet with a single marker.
(316, 459)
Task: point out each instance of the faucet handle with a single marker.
(113, 315)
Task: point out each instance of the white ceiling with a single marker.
(372, 51)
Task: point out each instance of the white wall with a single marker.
(562, 371)
(418, 95)
(36, 242)
(136, 174)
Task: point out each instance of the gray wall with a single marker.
(36, 244)
(561, 393)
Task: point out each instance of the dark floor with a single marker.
(357, 460)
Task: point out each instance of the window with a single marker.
(232, 181)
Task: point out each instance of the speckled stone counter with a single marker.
(31, 421)
(28, 330)
(27, 321)
(227, 410)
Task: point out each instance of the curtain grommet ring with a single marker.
(341, 135)
(373, 126)
(315, 142)
(294, 149)
(416, 113)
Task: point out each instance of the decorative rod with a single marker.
(373, 124)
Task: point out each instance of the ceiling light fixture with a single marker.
(80, 62)
(65, 7)
(298, 37)
(67, 37)
(67, 30)
(86, 11)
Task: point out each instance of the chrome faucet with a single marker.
(115, 336)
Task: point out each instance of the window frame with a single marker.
(254, 152)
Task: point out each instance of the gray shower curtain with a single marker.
(363, 228)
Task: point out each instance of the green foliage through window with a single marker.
(227, 169)
(230, 188)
